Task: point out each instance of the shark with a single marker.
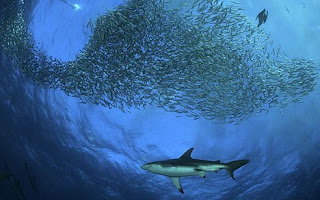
(185, 165)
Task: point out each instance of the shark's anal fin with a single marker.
(176, 182)
(187, 154)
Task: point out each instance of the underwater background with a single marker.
(63, 146)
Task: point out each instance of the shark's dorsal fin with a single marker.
(187, 154)
(176, 182)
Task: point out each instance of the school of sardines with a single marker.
(202, 59)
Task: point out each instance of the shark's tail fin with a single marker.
(231, 166)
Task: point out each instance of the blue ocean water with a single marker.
(84, 151)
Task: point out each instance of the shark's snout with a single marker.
(145, 166)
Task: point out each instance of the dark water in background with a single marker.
(79, 151)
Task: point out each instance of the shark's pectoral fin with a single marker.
(176, 183)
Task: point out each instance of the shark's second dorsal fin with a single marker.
(187, 154)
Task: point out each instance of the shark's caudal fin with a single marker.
(231, 166)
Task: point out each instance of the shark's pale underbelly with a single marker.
(178, 171)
